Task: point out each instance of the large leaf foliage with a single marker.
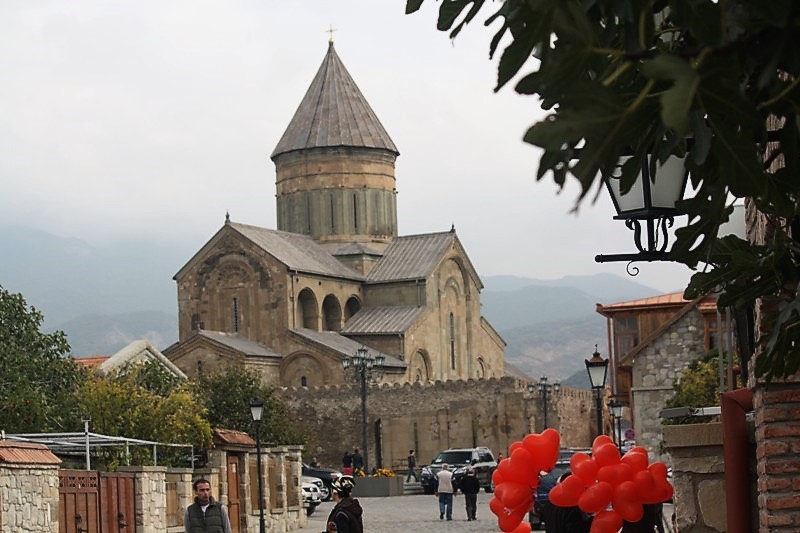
(36, 378)
(640, 77)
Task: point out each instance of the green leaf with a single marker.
(412, 6)
(677, 100)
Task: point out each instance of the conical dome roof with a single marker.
(334, 113)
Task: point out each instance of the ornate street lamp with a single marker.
(597, 367)
(256, 410)
(651, 199)
(615, 408)
(545, 389)
(363, 364)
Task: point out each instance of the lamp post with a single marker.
(545, 389)
(650, 200)
(597, 367)
(363, 364)
(615, 407)
(256, 410)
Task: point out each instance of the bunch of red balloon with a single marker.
(517, 477)
(625, 483)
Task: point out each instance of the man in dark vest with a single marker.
(205, 515)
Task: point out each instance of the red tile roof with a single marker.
(92, 362)
(26, 453)
(231, 437)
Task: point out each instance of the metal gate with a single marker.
(90, 502)
(117, 502)
(78, 501)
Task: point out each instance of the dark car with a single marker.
(459, 459)
(327, 475)
(547, 482)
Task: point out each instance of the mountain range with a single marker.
(105, 296)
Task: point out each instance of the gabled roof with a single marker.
(333, 113)
(674, 299)
(382, 320)
(236, 342)
(298, 252)
(413, 257)
(344, 346)
(139, 352)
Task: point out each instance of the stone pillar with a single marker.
(151, 497)
(698, 476)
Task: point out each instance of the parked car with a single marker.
(549, 481)
(311, 495)
(324, 491)
(327, 475)
(459, 459)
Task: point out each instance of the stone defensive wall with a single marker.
(430, 417)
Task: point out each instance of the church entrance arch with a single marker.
(420, 367)
(307, 310)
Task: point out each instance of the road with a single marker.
(420, 512)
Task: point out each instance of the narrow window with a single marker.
(235, 315)
(333, 223)
(355, 212)
(303, 381)
(308, 213)
(452, 342)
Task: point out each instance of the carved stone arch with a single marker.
(308, 310)
(352, 307)
(232, 283)
(419, 367)
(304, 369)
(480, 368)
(331, 314)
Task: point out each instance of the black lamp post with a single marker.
(651, 199)
(363, 363)
(545, 389)
(615, 407)
(597, 367)
(257, 409)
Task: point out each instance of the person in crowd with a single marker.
(314, 463)
(470, 487)
(346, 515)
(564, 519)
(412, 466)
(347, 463)
(205, 515)
(358, 462)
(444, 491)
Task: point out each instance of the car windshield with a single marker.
(454, 458)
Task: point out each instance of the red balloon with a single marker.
(497, 477)
(523, 527)
(496, 506)
(596, 497)
(525, 465)
(659, 470)
(606, 522)
(513, 494)
(514, 446)
(584, 467)
(567, 493)
(553, 440)
(510, 519)
(627, 501)
(615, 474)
(606, 454)
(599, 441)
(639, 449)
(663, 491)
(645, 485)
(508, 473)
(543, 451)
(637, 461)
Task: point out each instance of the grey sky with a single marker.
(153, 118)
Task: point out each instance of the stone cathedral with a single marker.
(335, 276)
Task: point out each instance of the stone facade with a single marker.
(28, 498)
(432, 417)
(655, 369)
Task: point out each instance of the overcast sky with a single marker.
(151, 119)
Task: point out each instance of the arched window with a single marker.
(452, 342)
(303, 381)
(235, 314)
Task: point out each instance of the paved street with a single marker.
(415, 512)
(419, 512)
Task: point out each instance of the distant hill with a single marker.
(104, 296)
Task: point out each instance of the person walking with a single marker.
(347, 463)
(444, 491)
(346, 515)
(205, 515)
(358, 463)
(470, 487)
(412, 467)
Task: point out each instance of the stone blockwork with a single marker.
(432, 417)
(29, 498)
(151, 498)
(654, 372)
(698, 477)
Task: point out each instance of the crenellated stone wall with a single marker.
(432, 417)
